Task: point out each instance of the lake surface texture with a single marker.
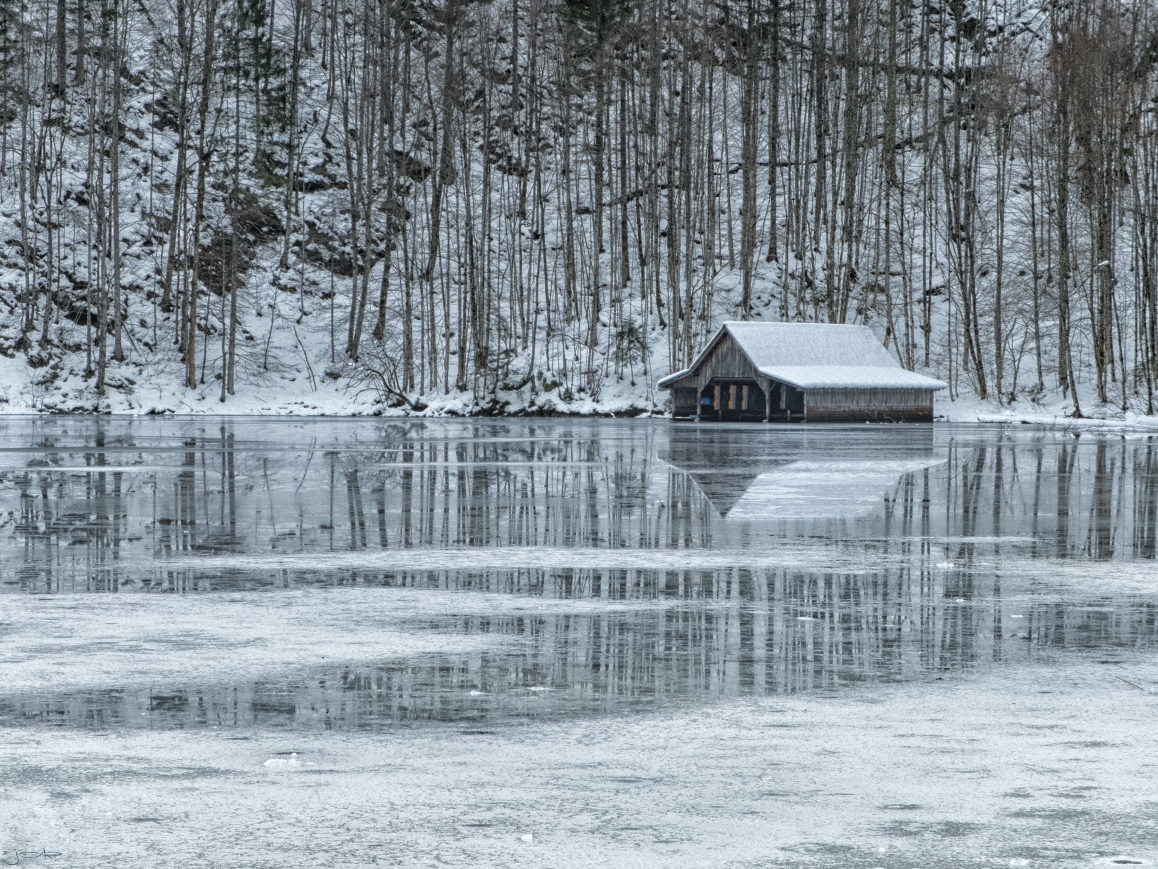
(259, 642)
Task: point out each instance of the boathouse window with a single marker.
(716, 402)
(744, 399)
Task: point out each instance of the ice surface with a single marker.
(70, 642)
(266, 643)
(1045, 764)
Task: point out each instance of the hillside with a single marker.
(541, 206)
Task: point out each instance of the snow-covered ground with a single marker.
(145, 389)
(160, 391)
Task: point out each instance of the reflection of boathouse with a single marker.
(818, 372)
(743, 475)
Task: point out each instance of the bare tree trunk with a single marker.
(204, 155)
(119, 38)
(749, 118)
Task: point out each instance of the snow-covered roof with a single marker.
(849, 377)
(816, 356)
(665, 382)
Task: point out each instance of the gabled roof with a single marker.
(815, 356)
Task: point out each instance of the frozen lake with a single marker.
(270, 642)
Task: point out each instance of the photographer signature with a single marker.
(15, 858)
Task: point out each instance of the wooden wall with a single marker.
(685, 400)
(867, 399)
(726, 361)
(884, 405)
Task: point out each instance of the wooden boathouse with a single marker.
(799, 372)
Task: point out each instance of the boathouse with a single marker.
(799, 372)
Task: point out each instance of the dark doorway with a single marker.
(787, 403)
(733, 401)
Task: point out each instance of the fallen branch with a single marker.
(1128, 682)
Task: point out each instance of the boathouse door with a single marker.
(733, 401)
(787, 403)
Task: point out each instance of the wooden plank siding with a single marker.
(725, 362)
(867, 399)
(685, 400)
(894, 405)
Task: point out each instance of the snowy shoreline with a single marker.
(455, 407)
(136, 390)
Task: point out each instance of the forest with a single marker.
(528, 203)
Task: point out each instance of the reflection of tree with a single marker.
(531, 485)
(1145, 500)
(930, 594)
(720, 633)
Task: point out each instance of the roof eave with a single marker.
(666, 382)
(934, 385)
